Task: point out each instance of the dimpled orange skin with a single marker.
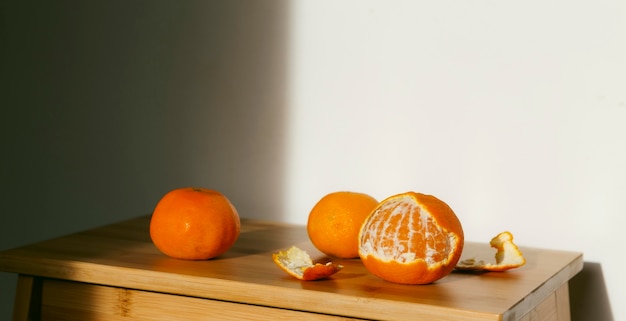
(393, 228)
(335, 220)
(194, 224)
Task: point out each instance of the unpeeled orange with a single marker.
(335, 220)
(411, 238)
(194, 224)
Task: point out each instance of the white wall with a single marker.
(512, 112)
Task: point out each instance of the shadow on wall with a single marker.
(110, 104)
(234, 126)
(589, 299)
(148, 96)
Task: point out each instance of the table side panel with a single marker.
(73, 301)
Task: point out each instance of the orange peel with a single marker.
(508, 256)
(297, 263)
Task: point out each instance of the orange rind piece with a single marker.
(508, 256)
(297, 263)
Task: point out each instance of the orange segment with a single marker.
(297, 263)
(508, 256)
(411, 238)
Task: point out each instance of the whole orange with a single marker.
(335, 220)
(411, 238)
(194, 224)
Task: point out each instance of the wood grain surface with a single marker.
(122, 255)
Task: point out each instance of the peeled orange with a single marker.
(194, 224)
(411, 238)
(335, 220)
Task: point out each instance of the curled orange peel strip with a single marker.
(508, 256)
(297, 263)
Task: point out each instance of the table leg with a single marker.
(27, 305)
(562, 303)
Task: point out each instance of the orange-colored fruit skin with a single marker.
(417, 271)
(320, 271)
(292, 262)
(335, 220)
(194, 224)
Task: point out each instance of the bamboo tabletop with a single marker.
(122, 255)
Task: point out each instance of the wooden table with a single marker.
(116, 273)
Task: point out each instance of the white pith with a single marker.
(296, 260)
(390, 248)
